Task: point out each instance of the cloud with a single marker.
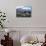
(26, 8)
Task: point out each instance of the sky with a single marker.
(24, 7)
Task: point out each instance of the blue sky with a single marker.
(24, 7)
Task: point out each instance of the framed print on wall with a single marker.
(23, 11)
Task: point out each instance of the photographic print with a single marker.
(23, 11)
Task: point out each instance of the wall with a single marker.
(38, 18)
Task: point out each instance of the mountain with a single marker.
(21, 10)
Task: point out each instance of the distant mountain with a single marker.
(21, 10)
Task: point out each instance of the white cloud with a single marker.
(27, 8)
